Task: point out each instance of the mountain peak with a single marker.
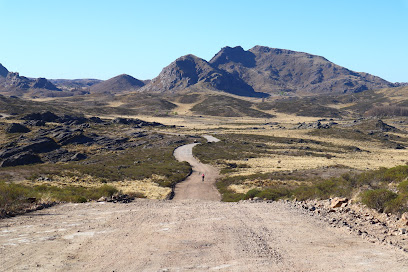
(234, 54)
(117, 84)
(3, 71)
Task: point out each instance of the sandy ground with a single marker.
(189, 235)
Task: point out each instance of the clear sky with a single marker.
(102, 39)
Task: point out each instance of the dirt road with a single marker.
(194, 187)
(186, 235)
(189, 235)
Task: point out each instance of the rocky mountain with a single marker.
(12, 84)
(190, 70)
(272, 70)
(117, 84)
(3, 71)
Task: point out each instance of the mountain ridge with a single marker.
(273, 70)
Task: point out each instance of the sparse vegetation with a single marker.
(373, 185)
(219, 105)
(16, 197)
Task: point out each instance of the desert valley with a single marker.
(305, 168)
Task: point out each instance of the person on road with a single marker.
(203, 176)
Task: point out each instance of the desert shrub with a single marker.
(274, 193)
(227, 194)
(252, 193)
(397, 205)
(403, 187)
(12, 195)
(378, 199)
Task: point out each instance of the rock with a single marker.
(338, 202)
(96, 120)
(66, 136)
(78, 157)
(42, 145)
(45, 116)
(34, 123)
(17, 128)
(385, 127)
(404, 218)
(21, 159)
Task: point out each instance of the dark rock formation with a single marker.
(21, 159)
(45, 117)
(385, 127)
(136, 122)
(17, 128)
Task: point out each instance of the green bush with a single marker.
(252, 193)
(403, 187)
(378, 199)
(397, 205)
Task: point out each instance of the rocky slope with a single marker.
(3, 71)
(190, 70)
(117, 84)
(273, 70)
(12, 83)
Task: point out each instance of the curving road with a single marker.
(193, 187)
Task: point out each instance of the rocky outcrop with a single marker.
(385, 127)
(21, 159)
(42, 83)
(118, 84)
(17, 128)
(15, 82)
(273, 70)
(190, 71)
(314, 125)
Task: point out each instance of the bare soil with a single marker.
(189, 235)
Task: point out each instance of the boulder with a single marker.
(41, 145)
(21, 159)
(404, 218)
(338, 202)
(17, 128)
(78, 157)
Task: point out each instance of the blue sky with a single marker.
(102, 39)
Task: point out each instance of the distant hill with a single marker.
(190, 70)
(117, 84)
(12, 84)
(274, 70)
(67, 84)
